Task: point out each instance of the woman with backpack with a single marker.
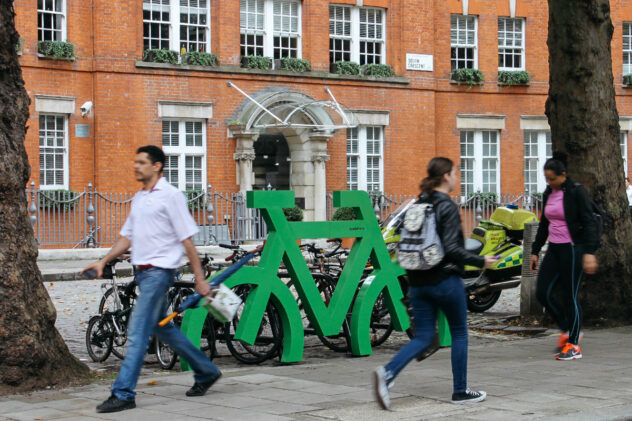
(569, 224)
(439, 287)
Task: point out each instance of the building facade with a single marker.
(90, 113)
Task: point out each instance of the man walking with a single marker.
(158, 227)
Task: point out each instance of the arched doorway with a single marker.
(271, 166)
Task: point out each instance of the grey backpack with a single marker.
(419, 246)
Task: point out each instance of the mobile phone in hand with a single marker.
(89, 274)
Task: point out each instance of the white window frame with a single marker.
(501, 48)
(175, 43)
(268, 31)
(627, 52)
(544, 147)
(477, 161)
(623, 141)
(457, 44)
(354, 36)
(61, 13)
(182, 150)
(362, 157)
(66, 168)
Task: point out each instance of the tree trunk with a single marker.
(32, 353)
(584, 123)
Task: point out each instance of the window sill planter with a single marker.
(160, 56)
(469, 77)
(513, 78)
(627, 81)
(197, 58)
(293, 65)
(56, 50)
(345, 68)
(377, 70)
(256, 62)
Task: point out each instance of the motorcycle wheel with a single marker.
(481, 302)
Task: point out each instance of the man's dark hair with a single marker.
(155, 154)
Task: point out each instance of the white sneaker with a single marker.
(381, 388)
(468, 396)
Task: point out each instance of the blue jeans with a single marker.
(150, 307)
(449, 296)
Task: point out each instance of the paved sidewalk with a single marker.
(522, 380)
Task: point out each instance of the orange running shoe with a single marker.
(569, 352)
(562, 340)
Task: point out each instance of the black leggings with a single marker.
(563, 263)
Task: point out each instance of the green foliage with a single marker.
(19, 45)
(58, 199)
(485, 197)
(378, 70)
(256, 62)
(627, 80)
(346, 68)
(295, 64)
(193, 200)
(515, 77)
(294, 214)
(160, 56)
(343, 214)
(199, 58)
(56, 49)
(467, 76)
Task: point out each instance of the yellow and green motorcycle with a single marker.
(500, 236)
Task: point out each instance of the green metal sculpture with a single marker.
(281, 246)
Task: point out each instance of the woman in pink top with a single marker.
(569, 224)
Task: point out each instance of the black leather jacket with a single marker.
(451, 233)
(579, 218)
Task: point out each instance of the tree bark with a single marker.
(32, 353)
(582, 112)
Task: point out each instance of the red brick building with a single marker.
(214, 135)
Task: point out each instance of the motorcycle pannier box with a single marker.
(512, 219)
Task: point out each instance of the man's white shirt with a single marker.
(158, 223)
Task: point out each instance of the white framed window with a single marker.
(179, 25)
(627, 48)
(623, 141)
(51, 20)
(463, 41)
(365, 163)
(537, 149)
(53, 151)
(511, 44)
(184, 144)
(480, 161)
(270, 28)
(357, 34)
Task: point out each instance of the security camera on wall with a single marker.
(85, 108)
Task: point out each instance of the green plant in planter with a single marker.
(199, 58)
(58, 199)
(295, 64)
(160, 56)
(19, 45)
(345, 68)
(194, 200)
(627, 80)
(294, 214)
(256, 62)
(56, 49)
(378, 70)
(468, 76)
(484, 197)
(343, 214)
(515, 77)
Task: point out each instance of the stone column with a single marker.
(320, 186)
(244, 155)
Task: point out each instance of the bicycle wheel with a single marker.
(99, 338)
(119, 339)
(381, 325)
(127, 295)
(269, 337)
(177, 296)
(340, 342)
(166, 356)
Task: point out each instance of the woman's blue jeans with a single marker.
(150, 307)
(449, 296)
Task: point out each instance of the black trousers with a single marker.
(559, 278)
